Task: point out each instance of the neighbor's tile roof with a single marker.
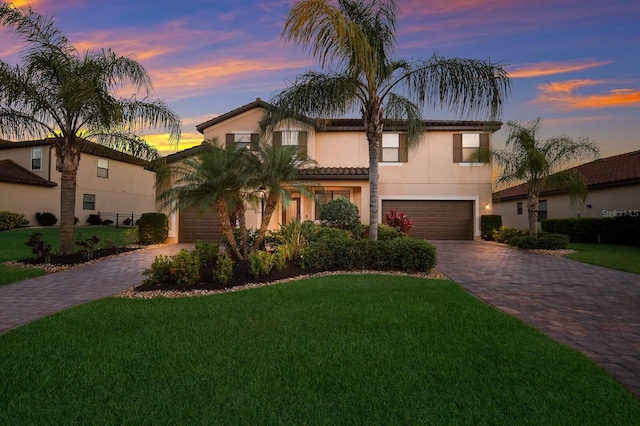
(334, 173)
(623, 169)
(13, 173)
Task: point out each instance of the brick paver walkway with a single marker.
(29, 300)
(592, 309)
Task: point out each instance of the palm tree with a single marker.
(540, 163)
(217, 177)
(277, 170)
(355, 40)
(58, 93)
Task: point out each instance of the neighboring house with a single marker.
(614, 189)
(437, 183)
(109, 182)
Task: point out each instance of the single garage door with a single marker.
(199, 227)
(436, 219)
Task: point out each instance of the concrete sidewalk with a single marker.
(28, 300)
(592, 309)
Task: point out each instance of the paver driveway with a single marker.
(595, 310)
(25, 301)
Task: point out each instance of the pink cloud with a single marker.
(550, 68)
(564, 95)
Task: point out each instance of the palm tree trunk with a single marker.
(67, 211)
(373, 126)
(223, 215)
(532, 208)
(242, 221)
(269, 208)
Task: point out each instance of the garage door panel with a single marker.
(195, 226)
(437, 219)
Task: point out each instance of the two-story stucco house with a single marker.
(109, 182)
(436, 183)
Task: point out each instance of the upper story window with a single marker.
(36, 159)
(393, 148)
(297, 138)
(470, 147)
(103, 168)
(242, 139)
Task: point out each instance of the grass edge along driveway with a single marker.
(328, 350)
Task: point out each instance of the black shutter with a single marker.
(457, 148)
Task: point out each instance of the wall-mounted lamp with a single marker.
(589, 206)
(262, 195)
(487, 206)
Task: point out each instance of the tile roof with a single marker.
(623, 169)
(13, 173)
(335, 173)
(258, 103)
(87, 147)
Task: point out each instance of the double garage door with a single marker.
(199, 227)
(436, 219)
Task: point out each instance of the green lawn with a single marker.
(328, 350)
(12, 246)
(623, 258)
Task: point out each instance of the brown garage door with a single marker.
(199, 227)
(436, 219)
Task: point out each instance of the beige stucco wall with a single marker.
(245, 122)
(603, 202)
(129, 188)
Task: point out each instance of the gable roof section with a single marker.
(11, 172)
(258, 103)
(619, 170)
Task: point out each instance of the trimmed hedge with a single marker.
(488, 224)
(543, 241)
(153, 228)
(402, 254)
(624, 230)
(46, 218)
(10, 220)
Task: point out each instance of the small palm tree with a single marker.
(217, 178)
(58, 93)
(356, 40)
(541, 164)
(277, 170)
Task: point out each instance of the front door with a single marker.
(291, 212)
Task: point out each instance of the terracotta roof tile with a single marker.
(13, 173)
(623, 169)
(335, 173)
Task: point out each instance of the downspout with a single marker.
(49, 168)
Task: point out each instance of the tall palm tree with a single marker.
(540, 163)
(58, 93)
(277, 170)
(217, 177)
(356, 40)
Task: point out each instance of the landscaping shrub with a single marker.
(94, 220)
(131, 236)
(292, 238)
(182, 270)
(38, 247)
(544, 241)
(504, 234)
(403, 254)
(153, 228)
(10, 220)
(206, 253)
(398, 220)
(107, 222)
(624, 229)
(279, 260)
(489, 223)
(325, 232)
(46, 219)
(259, 263)
(87, 246)
(385, 232)
(223, 271)
(341, 213)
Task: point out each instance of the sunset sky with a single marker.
(574, 63)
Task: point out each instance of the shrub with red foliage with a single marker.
(398, 220)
